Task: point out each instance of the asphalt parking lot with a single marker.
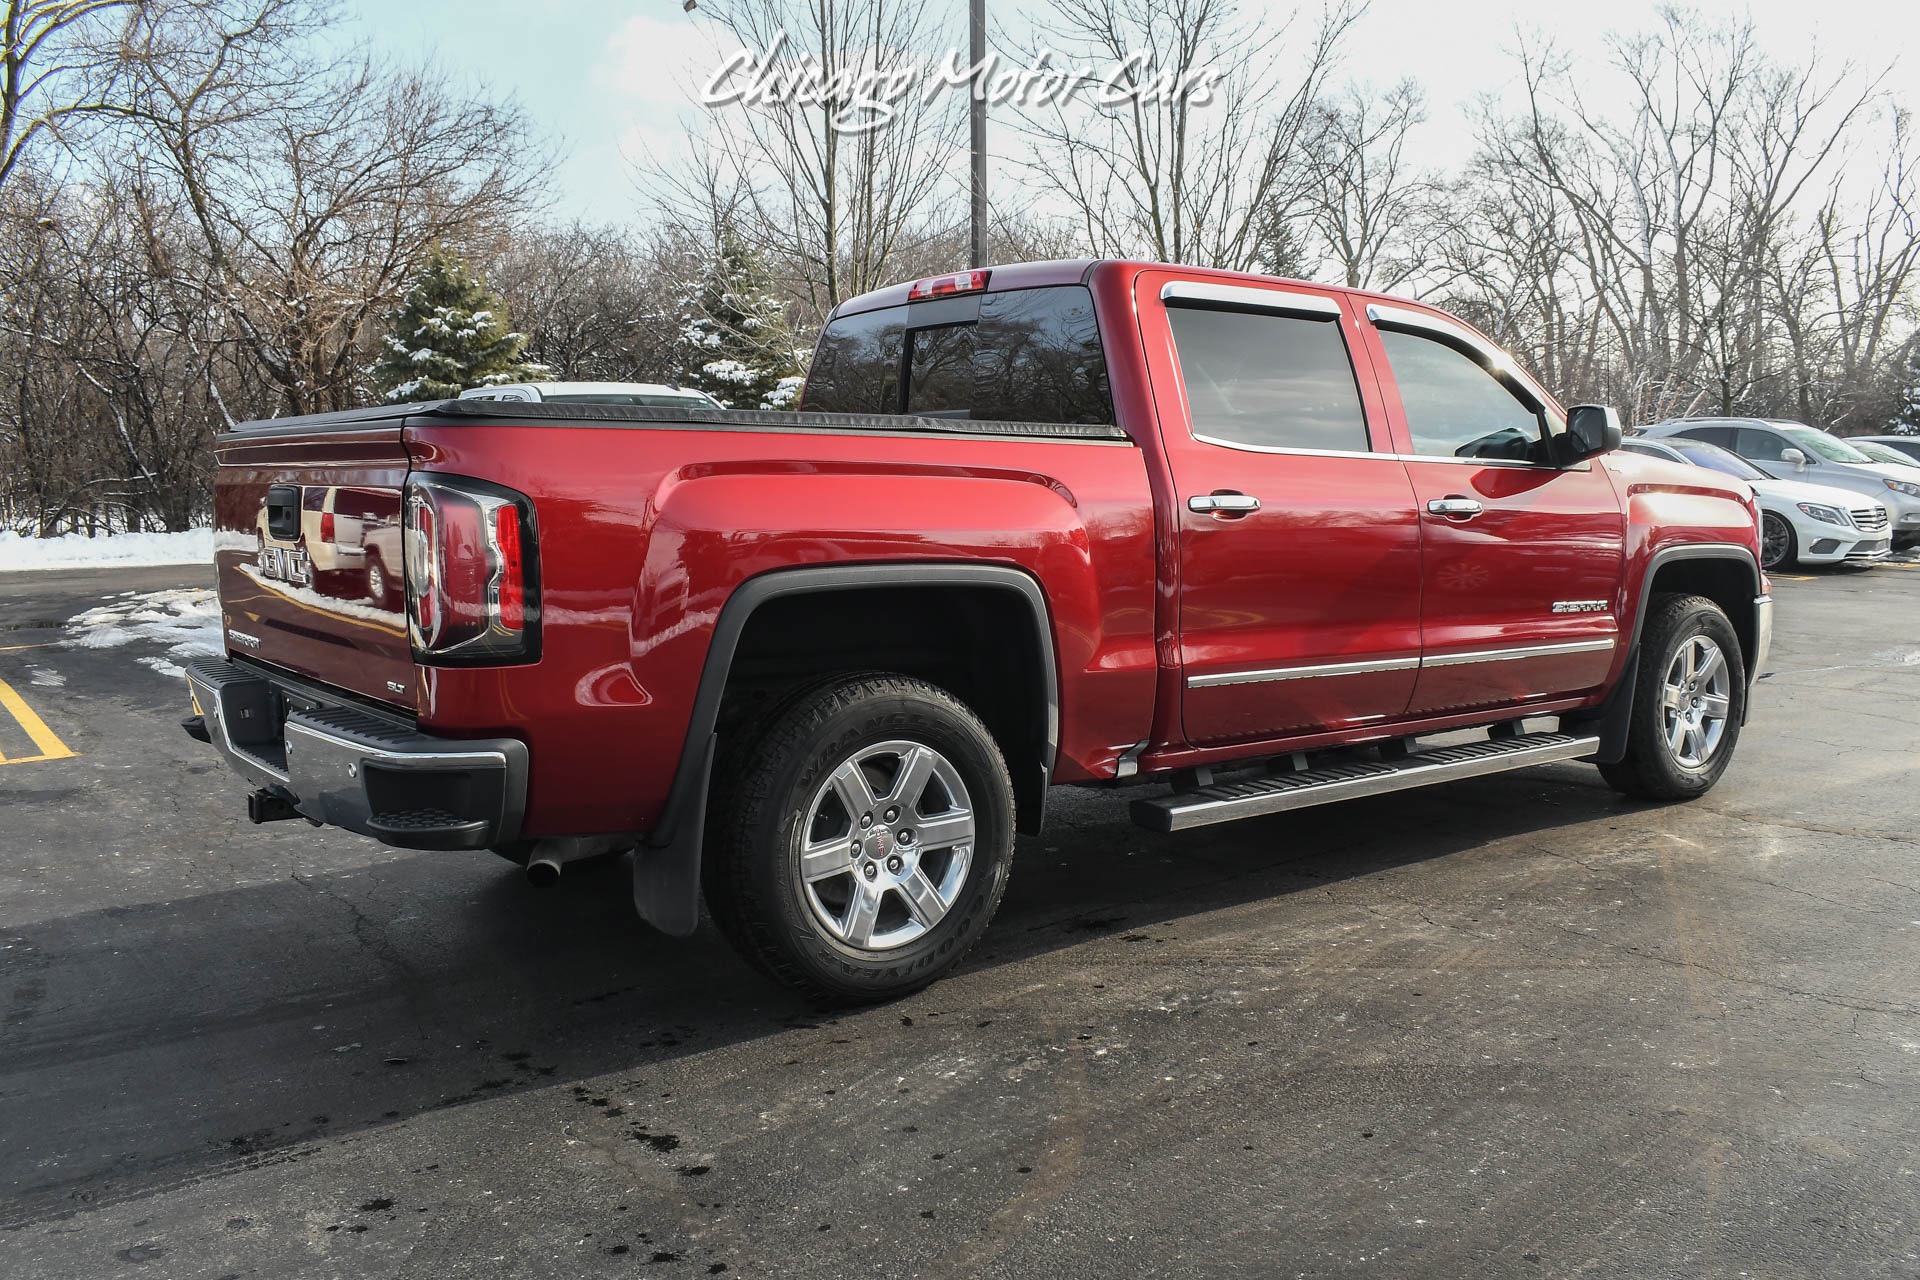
(1515, 1026)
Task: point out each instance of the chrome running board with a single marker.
(1255, 797)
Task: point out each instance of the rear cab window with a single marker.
(1022, 355)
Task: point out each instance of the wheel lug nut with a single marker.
(869, 871)
(892, 814)
(866, 820)
(906, 835)
(894, 863)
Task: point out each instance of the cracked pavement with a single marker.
(1512, 1026)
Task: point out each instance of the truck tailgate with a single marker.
(307, 544)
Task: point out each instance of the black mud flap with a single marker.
(1612, 717)
(666, 868)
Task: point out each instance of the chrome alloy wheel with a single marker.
(1694, 702)
(886, 846)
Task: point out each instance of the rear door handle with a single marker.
(1222, 504)
(1455, 506)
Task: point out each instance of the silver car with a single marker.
(1795, 451)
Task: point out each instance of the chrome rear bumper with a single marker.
(340, 764)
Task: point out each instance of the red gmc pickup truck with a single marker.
(1271, 543)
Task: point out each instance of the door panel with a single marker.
(1521, 601)
(1522, 559)
(1302, 614)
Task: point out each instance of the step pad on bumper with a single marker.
(1254, 797)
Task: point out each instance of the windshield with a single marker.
(1702, 454)
(1824, 445)
(1886, 454)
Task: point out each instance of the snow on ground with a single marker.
(77, 551)
(186, 621)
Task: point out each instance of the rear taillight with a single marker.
(326, 526)
(473, 592)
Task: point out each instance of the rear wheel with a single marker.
(860, 843)
(1776, 541)
(1687, 704)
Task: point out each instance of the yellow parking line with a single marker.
(44, 644)
(51, 748)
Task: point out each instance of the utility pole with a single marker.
(978, 112)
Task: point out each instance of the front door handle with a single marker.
(1465, 508)
(1223, 503)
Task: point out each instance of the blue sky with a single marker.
(608, 80)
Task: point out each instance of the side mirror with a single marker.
(1591, 429)
(1794, 458)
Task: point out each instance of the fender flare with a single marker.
(666, 866)
(1613, 715)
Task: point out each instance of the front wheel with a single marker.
(859, 844)
(1776, 541)
(1687, 704)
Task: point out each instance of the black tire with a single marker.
(1776, 531)
(772, 797)
(1652, 768)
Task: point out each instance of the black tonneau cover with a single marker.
(664, 416)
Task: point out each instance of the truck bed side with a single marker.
(646, 528)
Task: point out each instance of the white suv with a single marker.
(1794, 451)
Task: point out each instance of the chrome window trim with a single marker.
(1421, 321)
(1271, 675)
(1288, 301)
(1293, 450)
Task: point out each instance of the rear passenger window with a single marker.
(1761, 446)
(1260, 380)
(1722, 436)
(1456, 407)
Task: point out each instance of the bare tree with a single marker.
(57, 64)
(596, 303)
(315, 190)
(1211, 180)
(1369, 202)
(822, 189)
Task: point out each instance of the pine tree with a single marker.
(736, 344)
(449, 333)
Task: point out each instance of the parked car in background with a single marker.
(1909, 445)
(1800, 523)
(1795, 451)
(645, 395)
(1882, 453)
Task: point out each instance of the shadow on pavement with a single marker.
(153, 1045)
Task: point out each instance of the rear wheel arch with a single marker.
(922, 620)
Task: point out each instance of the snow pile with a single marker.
(186, 621)
(77, 551)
